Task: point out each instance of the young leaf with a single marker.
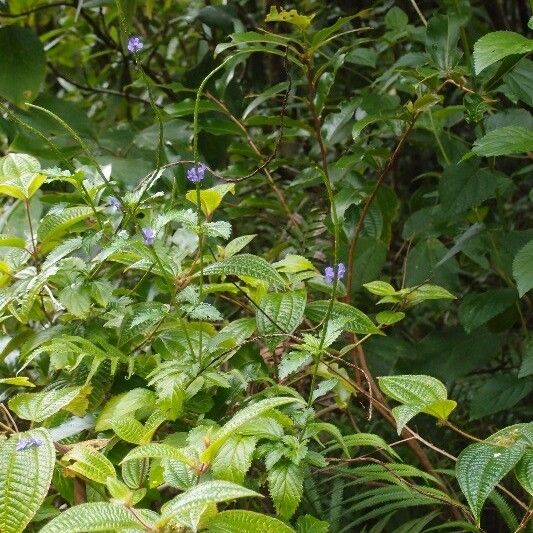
(211, 198)
(26, 468)
(19, 175)
(90, 463)
(356, 321)
(246, 265)
(158, 451)
(234, 458)
(99, 516)
(204, 493)
(285, 484)
(240, 521)
(293, 362)
(239, 420)
(480, 467)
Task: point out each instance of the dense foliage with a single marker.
(266, 267)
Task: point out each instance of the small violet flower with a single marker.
(148, 236)
(114, 202)
(30, 442)
(334, 272)
(135, 44)
(196, 174)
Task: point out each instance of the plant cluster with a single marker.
(265, 269)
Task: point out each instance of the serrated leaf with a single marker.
(240, 521)
(418, 394)
(246, 265)
(221, 229)
(498, 45)
(98, 516)
(90, 463)
(523, 269)
(280, 312)
(129, 429)
(285, 485)
(356, 321)
(158, 451)
(25, 477)
(205, 493)
(480, 467)
(239, 420)
(55, 224)
(442, 35)
(38, 406)
(291, 17)
(504, 141)
(234, 458)
(292, 362)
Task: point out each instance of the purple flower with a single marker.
(113, 201)
(29, 442)
(334, 272)
(135, 44)
(196, 174)
(148, 236)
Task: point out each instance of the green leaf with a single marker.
(310, 524)
(480, 467)
(240, 521)
(205, 493)
(380, 288)
(25, 477)
(292, 362)
(293, 264)
(442, 34)
(464, 186)
(20, 381)
(388, 318)
(210, 198)
(20, 176)
(98, 516)
(504, 141)
(239, 420)
(417, 394)
(277, 310)
(12, 241)
(523, 269)
(129, 429)
(56, 224)
(357, 321)
(498, 45)
(477, 309)
(236, 245)
(158, 451)
(234, 458)
(285, 485)
(90, 464)
(524, 471)
(23, 64)
(246, 265)
(499, 393)
(38, 406)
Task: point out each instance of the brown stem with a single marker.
(80, 491)
(368, 203)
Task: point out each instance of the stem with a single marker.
(366, 207)
(33, 241)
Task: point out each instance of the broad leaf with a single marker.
(480, 467)
(504, 141)
(20, 176)
(210, 198)
(285, 484)
(524, 471)
(357, 321)
(38, 406)
(56, 224)
(98, 516)
(442, 34)
(476, 309)
(234, 458)
(498, 45)
(280, 312)
(23, 64)
(246, 265)
(240, 521)
(90, 463)
(158, 451)
(25, 476)
(239, 420)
